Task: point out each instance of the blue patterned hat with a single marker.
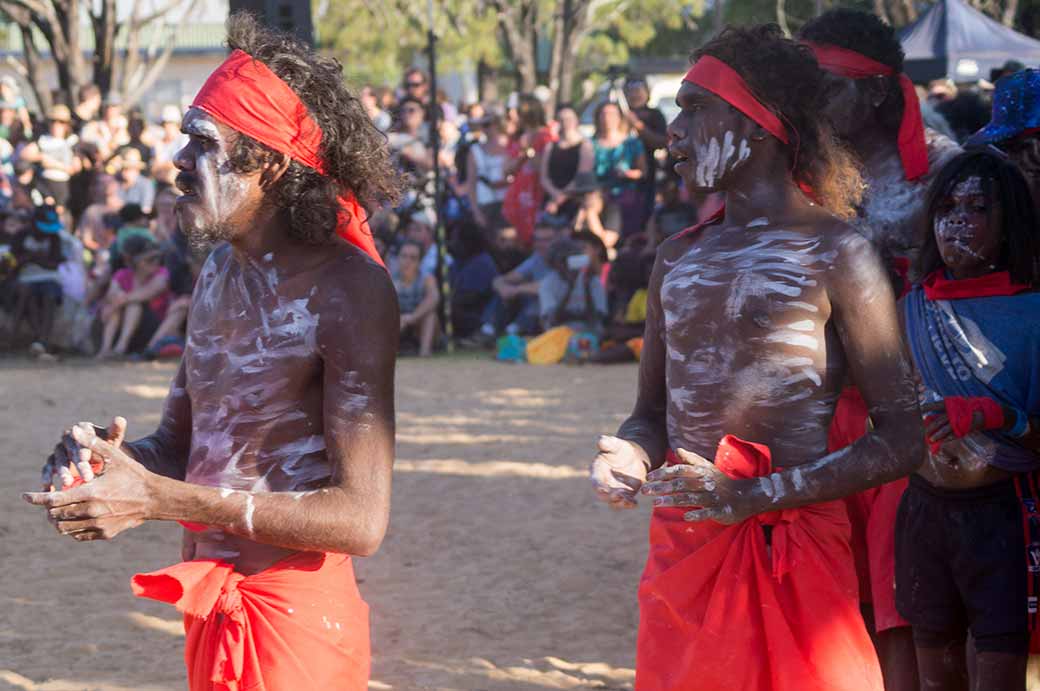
(1016, 108)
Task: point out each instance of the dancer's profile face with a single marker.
(710, 138)
(847, 103)
(218, 203)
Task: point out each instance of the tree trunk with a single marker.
(881, 11)
(1007, 18)
(781, 17)
(515, 19)
(33, 74)
(720, 15)
(559, 47)
(105, 30)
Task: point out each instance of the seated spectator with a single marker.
(135, 130)
(472, 275)
(109, 133)
(132, 222)
(38, 251)
(12, 222)
(134, 187)
(571, 294)
(671, 215)
(618, 209)
(514, 306)
(164, 223)
(418, 298)
(106, 200)
(419, 229)
(628, 283)
(87, 108)
(380, 118)
(565, 160)
(183, 268)
(137, 299)
(55, 153)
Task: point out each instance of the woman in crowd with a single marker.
(55, 153)
(417, 297)
(617, 209)
(486, 174)
(967, 524)
(524, 197)
(565, 163)
(407, 140)
(137, 298)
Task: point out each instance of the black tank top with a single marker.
(563, 164)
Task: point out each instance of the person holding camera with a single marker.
(571, 294)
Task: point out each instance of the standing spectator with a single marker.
(411, 155)
(651, 128)
(524, 197)
(25, 189)
(134, 187)
(620, 166)
(417, 297)
(135, 131)
(137, 299)
(55, 153)
(87, 108)
(83, 182)
(380, 118)
(109, 133)
(11, 95)
(416, 85)
(486, 178)
(472, 274)
(38, 253)
(171, 139)
(572, 154)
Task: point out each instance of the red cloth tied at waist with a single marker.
(299, 624)
(719, 613)
(913, 150)
(248, 97)
(961, 410)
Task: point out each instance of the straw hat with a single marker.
(171, 114)
(59, 113)
(132, 158)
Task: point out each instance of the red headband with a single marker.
(848, 63)
(248, 97)
(726, 83)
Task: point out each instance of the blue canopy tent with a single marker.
(954, 40)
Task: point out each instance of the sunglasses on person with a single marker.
(411, 109)
(414, 85)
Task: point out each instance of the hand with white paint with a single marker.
(70, 462)
(123, 496)
(618, 471)
(697, 483)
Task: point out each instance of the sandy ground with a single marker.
(500, 571)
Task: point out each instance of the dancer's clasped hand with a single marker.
(698, 483)
(118, 496)
(618, 471)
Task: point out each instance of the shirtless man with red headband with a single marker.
(755, 321)
(276, 441)
(874, 110)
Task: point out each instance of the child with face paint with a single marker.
(276, 442)
(968, 529)
(755, 321)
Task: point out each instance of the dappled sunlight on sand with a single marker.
(547, 672)
(455, 466)
(173, 627)
(17, 681)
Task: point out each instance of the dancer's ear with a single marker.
(759, 134)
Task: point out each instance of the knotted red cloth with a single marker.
(719, 612)
(300, 624)
(961, 409)
(913, 151)
(248, 97)
(938, 287)
(726, 83)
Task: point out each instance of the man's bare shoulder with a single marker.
(350, 283)
(680, 243)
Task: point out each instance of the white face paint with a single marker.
(715, 159)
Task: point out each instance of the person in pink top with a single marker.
(137, 298)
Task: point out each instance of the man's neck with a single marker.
(764, 189)
(875, 147)
(267, 238)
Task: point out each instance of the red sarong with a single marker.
(872, 514)
(300, 624)
(719, 613)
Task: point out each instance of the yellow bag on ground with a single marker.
(550, 347)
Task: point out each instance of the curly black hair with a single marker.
(353, 150)
(784, 76)
(1002, 182)
(864, 33)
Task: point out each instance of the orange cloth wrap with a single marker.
(718, 613)
(300, 624)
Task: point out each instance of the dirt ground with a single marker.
(500, 571)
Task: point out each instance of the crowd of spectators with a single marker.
(91, 257)
(535, 214)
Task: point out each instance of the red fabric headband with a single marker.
(726, 83)
(248, 97)
(848, 63)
